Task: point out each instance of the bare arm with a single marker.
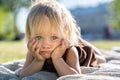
(71, 66)
(31, 66)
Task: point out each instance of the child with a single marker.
(54, 42)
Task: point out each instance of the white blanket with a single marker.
(106, 71)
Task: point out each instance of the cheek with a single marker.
(57, 43)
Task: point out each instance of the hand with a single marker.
(34, 49)
(60, 49)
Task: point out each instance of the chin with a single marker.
(47, 56)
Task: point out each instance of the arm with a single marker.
(31, 66)
(34, 61)
(71, 66)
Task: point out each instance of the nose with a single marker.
(46, 44)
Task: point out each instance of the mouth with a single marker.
(45, 52)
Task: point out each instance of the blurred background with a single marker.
(99, 21)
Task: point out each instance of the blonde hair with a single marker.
(57, 14)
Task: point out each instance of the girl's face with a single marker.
(47, 37)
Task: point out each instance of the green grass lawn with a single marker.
(107, 45)
(15, 50)
(12, 50)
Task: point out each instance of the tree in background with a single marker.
(115, 14)
(8, 14)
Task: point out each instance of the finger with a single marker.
(30, 40)
(37, 52)
(30, 43)
(38, 55)
(65, 43)
(34, 46)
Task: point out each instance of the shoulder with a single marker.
(73, 49)
(72, 52)
(72, 57)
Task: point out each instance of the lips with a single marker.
(45, 52)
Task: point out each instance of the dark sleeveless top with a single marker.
(86, 58)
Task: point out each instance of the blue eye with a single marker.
(54, 37)
(38, 37)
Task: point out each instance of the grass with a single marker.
(15, 50)
(107, 44)
(12, 50)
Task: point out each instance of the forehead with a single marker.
(45, 21)
(45, 25)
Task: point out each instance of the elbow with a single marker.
(71, 73)
(75, 72)
(21, 75)
(78, 72)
